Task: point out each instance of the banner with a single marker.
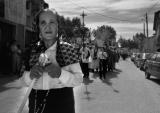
(15, 11)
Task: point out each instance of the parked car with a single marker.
(142, 61)
(152, 66)
(133, 57)
(138, 58)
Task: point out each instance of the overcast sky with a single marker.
(125, 16)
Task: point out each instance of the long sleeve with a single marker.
(71, 75)
(25, 79)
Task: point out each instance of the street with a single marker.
(123, 91)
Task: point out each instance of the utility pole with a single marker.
(83, 15)
(147, 24)
(144, 30)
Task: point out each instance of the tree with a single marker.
(67, 27)
(128, 43)
(76, 22)
(139, 39)
(105, 33)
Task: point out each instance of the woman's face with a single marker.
(48, 25)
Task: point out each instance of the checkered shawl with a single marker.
(66, 54)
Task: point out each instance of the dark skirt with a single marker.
(58, 100)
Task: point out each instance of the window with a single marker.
(153, 57)
(158, 57)
(28, 4)
(1, 8)
(149, 55)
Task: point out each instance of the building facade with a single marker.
(16, 17)
(149, 44)
(156, 28)
(152, 44)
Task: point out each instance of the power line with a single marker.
(146, 16)
(153, 6)
(100, 13)
(148, 10)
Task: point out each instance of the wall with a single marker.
(149, 44)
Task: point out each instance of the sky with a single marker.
(127, 17)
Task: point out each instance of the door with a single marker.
(157, 66)
(151, 64)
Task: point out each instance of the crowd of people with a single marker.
(98, 59)
(53, 89)
(11, 58)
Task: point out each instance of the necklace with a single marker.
(42, 105)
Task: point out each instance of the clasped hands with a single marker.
(46, 65)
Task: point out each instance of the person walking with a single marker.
(85, 54)
(102, 55)
(16, 58)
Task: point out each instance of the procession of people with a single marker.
(98, 60)
(55, 67)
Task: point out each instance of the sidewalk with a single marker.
(12, 94)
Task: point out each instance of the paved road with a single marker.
(123, 91)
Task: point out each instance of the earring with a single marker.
(40, 36)
(57, 35)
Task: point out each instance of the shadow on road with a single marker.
(8, 82)
(86, 82)
(95, 75)
(156, 80)
(111, 75)
(87, 93)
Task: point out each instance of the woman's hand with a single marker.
(53, 70)
(36, 72)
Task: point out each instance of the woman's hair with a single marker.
(36, 19)
(36, 25)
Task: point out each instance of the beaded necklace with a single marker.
(42, 105)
